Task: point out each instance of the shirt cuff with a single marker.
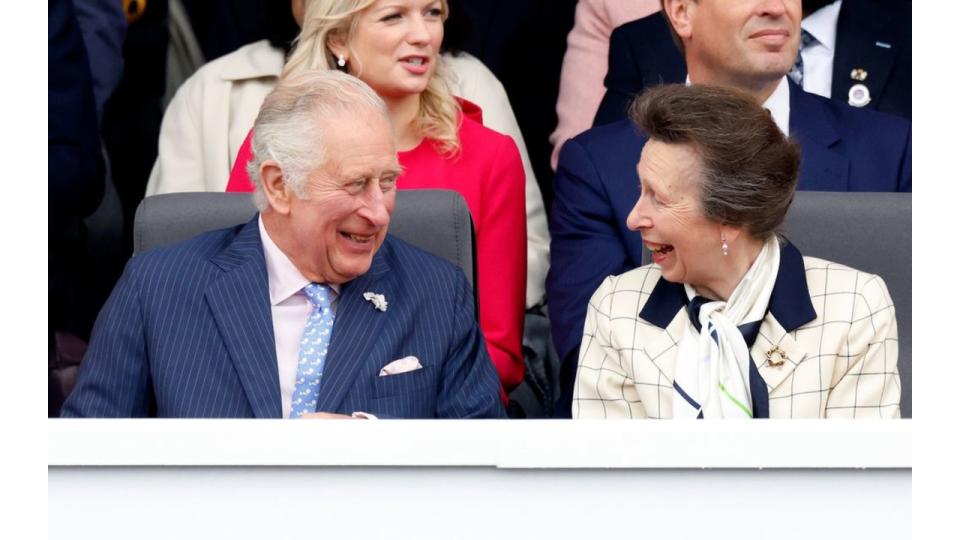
(363, 415)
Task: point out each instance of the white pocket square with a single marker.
(403, 365)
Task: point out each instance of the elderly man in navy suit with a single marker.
(309, 310)
(749, 44)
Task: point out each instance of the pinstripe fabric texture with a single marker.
(835, 325)
(187, 333)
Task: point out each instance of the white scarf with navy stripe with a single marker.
(713, 366)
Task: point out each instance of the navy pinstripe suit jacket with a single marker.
(187, 332)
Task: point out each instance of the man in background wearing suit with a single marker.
(856, 52)
(308, 310)
(752, 45)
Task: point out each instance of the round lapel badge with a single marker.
(859, 95)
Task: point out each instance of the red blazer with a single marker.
(489, 175)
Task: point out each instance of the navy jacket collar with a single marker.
(790, 302)
(245, 247)
(809, 120)
(240, 305)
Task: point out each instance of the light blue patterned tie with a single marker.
(806, 38)
(313, 350)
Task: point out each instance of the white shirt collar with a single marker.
(822, 24)
(283, 278)
(778, 104)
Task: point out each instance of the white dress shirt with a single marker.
(290, 308)
(778, 104)
(818, 55)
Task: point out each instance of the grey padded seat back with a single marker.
(871, 232)
(435, 220)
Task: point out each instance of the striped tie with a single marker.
(313, 351)
(797, 72)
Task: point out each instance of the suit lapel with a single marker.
(859, 29)
(822, 167)
(664, 309)
(355, 331)
(774, 337)
(240, 304)
(790, 308)
(663, 350)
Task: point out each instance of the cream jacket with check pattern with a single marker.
(841, 356)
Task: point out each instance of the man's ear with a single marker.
(678, 13)
(276, 190)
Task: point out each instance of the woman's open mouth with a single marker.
(658, 251)
(416, 64)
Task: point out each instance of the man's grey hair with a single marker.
(294, 123)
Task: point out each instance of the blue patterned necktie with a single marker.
(313, 350)
(806, 38)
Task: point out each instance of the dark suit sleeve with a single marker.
(469, 384)
(906, 165)
(623, 81)
(75, 166)
(104, 28)
(585, 247)
(114, 380)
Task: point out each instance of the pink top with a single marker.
(488, 173)
(585, 63)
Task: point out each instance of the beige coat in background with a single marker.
(210, 116)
